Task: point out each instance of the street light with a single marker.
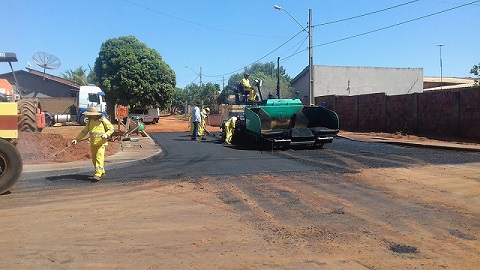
(310, 50)
(441, 66)
(199, 75)
(277, 7)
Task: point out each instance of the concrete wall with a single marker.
(58, 105)
(351, 81)
(448, 113)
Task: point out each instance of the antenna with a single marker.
(46, 61)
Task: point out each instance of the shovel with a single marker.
(209, 133)
(66, 148)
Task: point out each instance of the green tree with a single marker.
(132, 74)
(78, 75)
(179, 100)
(92, 77)
(267, 72)
(476, 71)
(209, 93)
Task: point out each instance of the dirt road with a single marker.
(420, 217)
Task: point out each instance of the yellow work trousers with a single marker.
(252, 94)
(98, 158)
(228, 134)
(201, 128)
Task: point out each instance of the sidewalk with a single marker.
(145, 149)
(130, 153)
(414, 142)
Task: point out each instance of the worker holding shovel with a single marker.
(100, 129)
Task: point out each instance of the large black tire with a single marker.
(83, 120)
(11, 165)
(27, 121)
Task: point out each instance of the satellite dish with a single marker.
(46, 61)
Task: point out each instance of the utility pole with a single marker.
(310, 57)
(441, 66)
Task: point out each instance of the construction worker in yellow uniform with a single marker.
(229, 129)
(100, 129)
(252, 92)
(202, 127)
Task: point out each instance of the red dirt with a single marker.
(53, 143)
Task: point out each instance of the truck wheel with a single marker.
(27, 121)
(83, 120)
(10, 165)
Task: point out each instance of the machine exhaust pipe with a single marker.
(278, 77)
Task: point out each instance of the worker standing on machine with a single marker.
(100, 129)
(229, 129)
(252, 92)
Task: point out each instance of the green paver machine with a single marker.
(282, 123)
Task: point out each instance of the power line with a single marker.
(283, 44)
(194, 23)
(366, 14)
(299, 51)
(384, 28)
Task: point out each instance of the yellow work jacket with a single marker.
(97, 128)
(246, 83)
(231, 122)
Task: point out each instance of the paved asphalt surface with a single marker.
(184, 158)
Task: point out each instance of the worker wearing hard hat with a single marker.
(229, 129)
(202, 127)
(252, 92)
(100, 129)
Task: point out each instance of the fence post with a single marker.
(385, 97)
(415, 113)
(456, 114)
(356, 112)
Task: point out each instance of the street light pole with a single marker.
(310, 57)
(199, 75)
(441, 66)
(310, 51)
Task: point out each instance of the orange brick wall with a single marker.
(447, 113)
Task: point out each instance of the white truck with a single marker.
(90, 96)
(145, 115)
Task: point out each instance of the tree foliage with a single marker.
(476, 71)
(179, 99)
(132, 74)
(206, 94)
(78, 75)
(267, 72)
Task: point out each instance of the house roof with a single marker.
(448, 83)
(54, 78)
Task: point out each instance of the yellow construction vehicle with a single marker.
(15, 114)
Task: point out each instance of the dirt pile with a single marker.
(37, 148)
(53, 143)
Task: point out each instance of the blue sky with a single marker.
(223, 36)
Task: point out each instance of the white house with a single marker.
(350, 81)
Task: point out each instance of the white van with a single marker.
(145, 115)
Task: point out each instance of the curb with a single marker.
(86, 166)
(444, 146)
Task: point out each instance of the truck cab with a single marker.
(90, 96)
